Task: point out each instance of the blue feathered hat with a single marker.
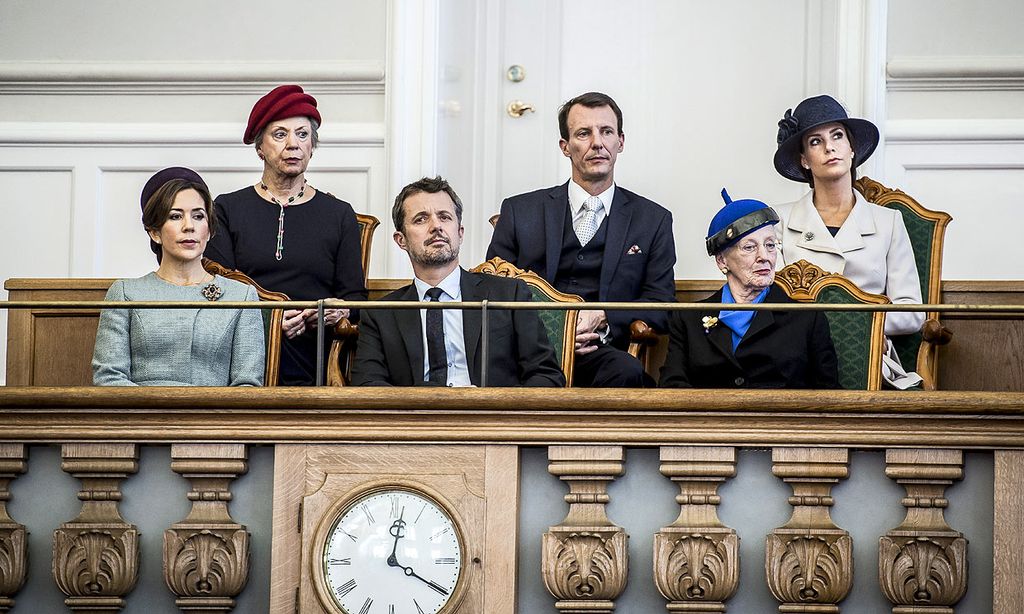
(735, 220)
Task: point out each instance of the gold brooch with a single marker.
(709, 323)
(212, 291)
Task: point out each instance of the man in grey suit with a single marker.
(404, 347)
(596, 239)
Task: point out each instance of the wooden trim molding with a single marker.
(847, 418)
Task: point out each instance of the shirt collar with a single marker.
(578, 196)
(450, 285)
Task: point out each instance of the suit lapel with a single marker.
(720, 335)
(554, 228)
(409, 320)
(471, 324)
(763, 319)
(615, 239)
(814, 236)
(851, 236)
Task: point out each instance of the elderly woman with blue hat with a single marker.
(179, 347)
(748, 349)
(833, 226)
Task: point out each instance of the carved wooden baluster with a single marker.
(585, 560)
(96, 555)
(13, 539)
(206, 555)
(922, 564)
(696, 558)
(809, 560)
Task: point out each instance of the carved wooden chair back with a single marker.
(271, 317)
(858, 336)
(343, 347)
(559, 324)
(927, 230)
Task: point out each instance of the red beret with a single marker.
(283, 101)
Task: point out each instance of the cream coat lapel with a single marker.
(861, 223)
(805, 231)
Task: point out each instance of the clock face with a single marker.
(392, 551)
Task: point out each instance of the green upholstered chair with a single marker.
(346, 334)
(559, 324)
(271, 317)
(927, 230)
(858, 336)
(642, 338)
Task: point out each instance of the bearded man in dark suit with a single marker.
(410, 347)
(593, 238)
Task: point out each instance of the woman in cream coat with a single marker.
(833, 226)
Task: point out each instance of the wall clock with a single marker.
(447, 513)
(390, 548)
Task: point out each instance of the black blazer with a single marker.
(782, 349)
(390, 349)
(638, 258)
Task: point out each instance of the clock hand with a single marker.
(398, 531)
(434, 585)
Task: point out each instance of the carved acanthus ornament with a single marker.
(809, 560)
(96, 555)
(922, 564)
(696, 558)
(585, 559)
(13, 539)
(206, 555)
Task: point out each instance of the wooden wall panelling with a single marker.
(50, 347)
(206, 555)
(696, 558)
(96, 555)
(809, 560)
(983, 354)
(585, 559)
(13, 538)
(922, 564)
(1008, 533)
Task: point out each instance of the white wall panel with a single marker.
(35, 240)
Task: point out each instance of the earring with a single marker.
(725, 270)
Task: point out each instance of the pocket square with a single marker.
(634, 250)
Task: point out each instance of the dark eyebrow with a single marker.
(836, 129)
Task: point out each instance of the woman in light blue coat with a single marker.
(179, 347)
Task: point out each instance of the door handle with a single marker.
(517, 108)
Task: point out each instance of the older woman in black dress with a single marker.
(748, 349)
(287, 235)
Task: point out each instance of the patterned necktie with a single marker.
(436, 354)
(587, 226)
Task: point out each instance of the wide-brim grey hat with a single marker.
(812, 113)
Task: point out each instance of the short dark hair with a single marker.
(591, 100)
(807, 172)
(429, 185)
(158, 208)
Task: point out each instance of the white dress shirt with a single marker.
(578, 196)
(454, 337)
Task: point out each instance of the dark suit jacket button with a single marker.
(740, 381)
(580, 257)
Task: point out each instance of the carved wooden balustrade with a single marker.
(807, 561)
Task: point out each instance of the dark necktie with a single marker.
(436, 354)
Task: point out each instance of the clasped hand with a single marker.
(298, 321)
(587, 325)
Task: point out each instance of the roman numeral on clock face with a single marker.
(339, 562)
(366, 606)
(345, 589)
(445, 560)
(366, 510)
(419, 610)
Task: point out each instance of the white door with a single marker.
(701, 85)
